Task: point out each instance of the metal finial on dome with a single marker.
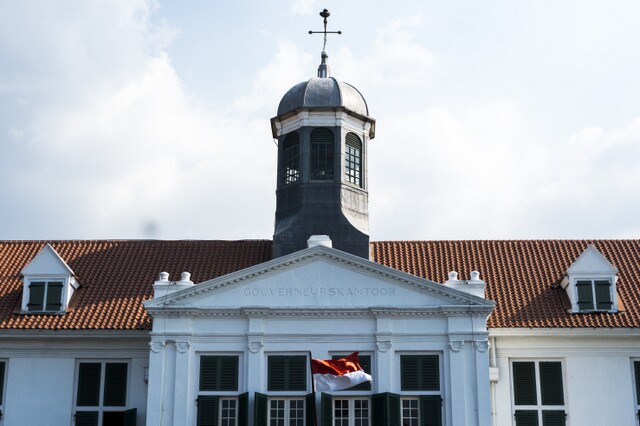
(323, 69)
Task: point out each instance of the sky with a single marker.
(150, 119)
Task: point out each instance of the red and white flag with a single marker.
(338, 374)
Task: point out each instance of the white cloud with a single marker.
(303, 7)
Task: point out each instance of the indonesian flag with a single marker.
(338, 374)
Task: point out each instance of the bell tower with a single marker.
(323, 129)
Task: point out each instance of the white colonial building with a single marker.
(220, 333)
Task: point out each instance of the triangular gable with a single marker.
(47, 263)
(318, 277)
(591, 261)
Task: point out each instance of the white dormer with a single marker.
(48, 283)
(590, 283)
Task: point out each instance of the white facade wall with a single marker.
(303, 303)
(597, 365)
(41, 373)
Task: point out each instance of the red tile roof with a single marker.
(519, 275)
(117, 276)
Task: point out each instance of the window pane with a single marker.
(296, 412)
(353, 158)
(524, 383)
(551, 391)
(553, 418)
(585, 295)
(219, 373)
(228, 414)
(322, 154)
(115, 386)
(291, 158)
(54, 296)
(420, 372)
(86, 418)
(603, 294)
(410, 412)
(276, 412)
(526, 418)
(287, 373)
(2, 368)
(89, 384)
(36, 296)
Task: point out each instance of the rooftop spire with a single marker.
(323, 69)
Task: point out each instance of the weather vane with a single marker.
(325, 14)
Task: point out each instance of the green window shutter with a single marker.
(322, 154)
(326, 409)
(603, 294)
(88, 393)
(551, 390)
(585, 295)
(420, 372)
(2, 369)
(636, 369)
(365, 363)
(207, 410)
(131, 417)
(54, 296)
(553, 418)
(287, 373)
(385, 409)
(243, 409)
(431, 410)
(219, 373)
(115, 384)
(86, 418)
(36, 296)
(291, 158)
(260, 409)
(524, 383)
(526, 417)
(310, 409)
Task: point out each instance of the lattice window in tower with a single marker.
(322, 154)
(353, 159)
(291, 158)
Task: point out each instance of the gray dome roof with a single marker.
(323, 93)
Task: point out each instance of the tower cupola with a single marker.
(323, 128)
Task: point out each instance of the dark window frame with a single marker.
(47, 301)
(594, 294)
(110, 393)
(538, 392)
(322, 161)
(291, 158)
(353, 159)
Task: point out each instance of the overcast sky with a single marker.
(495, 119)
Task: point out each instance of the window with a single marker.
(636, 373)
(218, 401)
(101, 395)
(287, 373)
(353, 159)
(291, 158)
(322, 154)
(3, 367)
(289, 406)
(594, 295)
(421, 402)
(45, 296)
(538, 393)
(351, 411)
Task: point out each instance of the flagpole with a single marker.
(313, 390)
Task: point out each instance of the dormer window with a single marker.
(45, 296)
(49, 284)
(590, 283)
(594, 295)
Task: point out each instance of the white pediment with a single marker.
(317, 278)
(47, 263)
(591, 262)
